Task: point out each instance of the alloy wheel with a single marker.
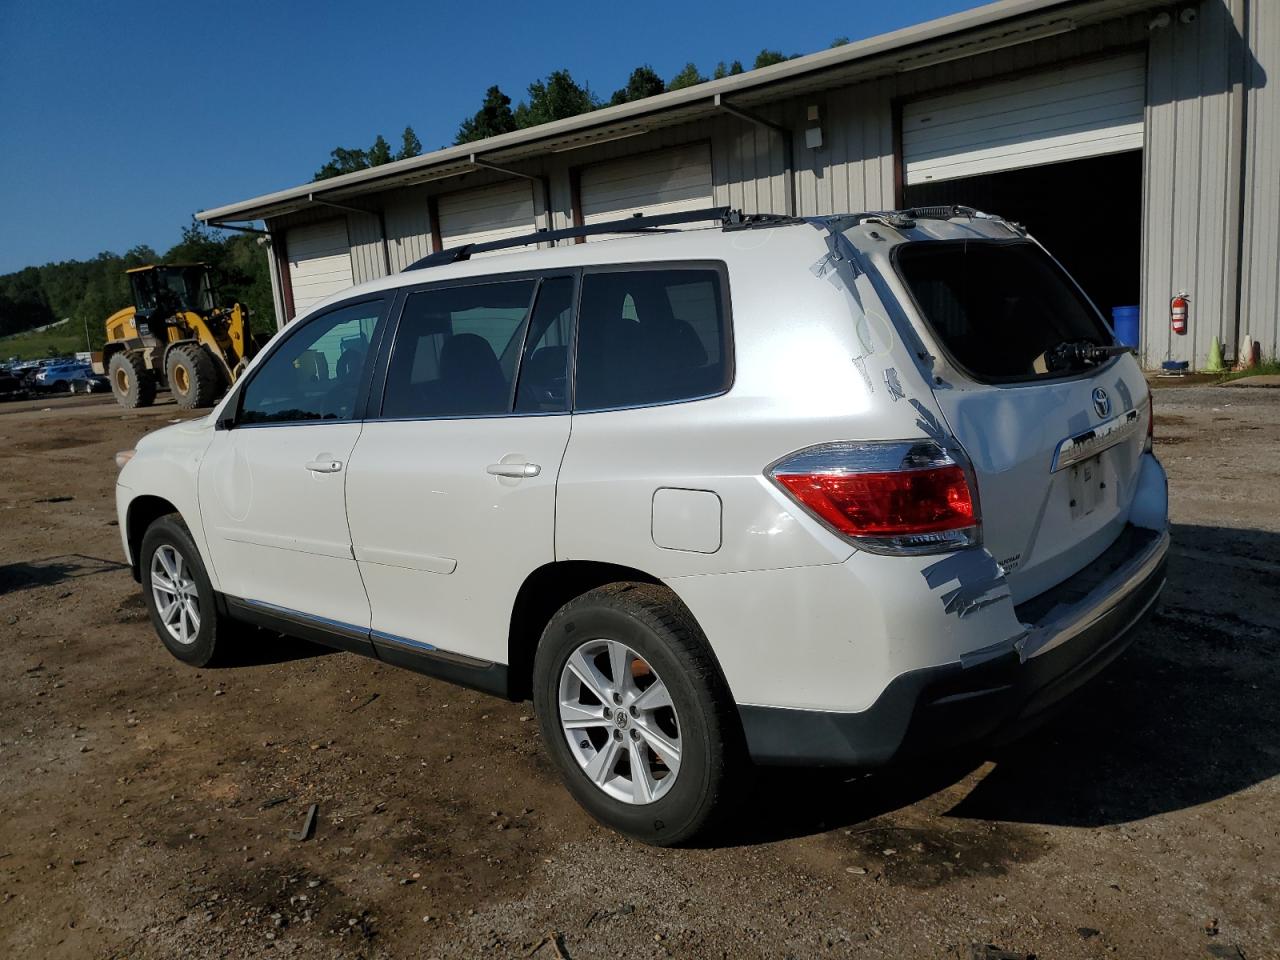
(176, 595)
(619, 720)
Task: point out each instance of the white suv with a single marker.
(835, 491)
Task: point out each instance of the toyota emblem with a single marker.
(1101, 402)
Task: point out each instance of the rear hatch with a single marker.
(1055, 438)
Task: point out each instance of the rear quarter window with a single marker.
(651, 336)
(997, 306)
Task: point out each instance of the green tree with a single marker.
(721, 71)
(767, 58)
(686, 78)
(380, 152)
(555, 98)
(643, 82)
(410, 145)
(493, 117)
(343, 160)
(839, 42)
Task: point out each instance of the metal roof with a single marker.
(988, 27)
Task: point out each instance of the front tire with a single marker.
(132, 383)
(635, 713)
(193, 376)
(179, 596)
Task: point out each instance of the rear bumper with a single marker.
(1073, 632)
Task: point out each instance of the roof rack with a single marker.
(633, 224)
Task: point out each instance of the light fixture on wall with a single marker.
(813, 131)
(1160, 21)
(1188, 15)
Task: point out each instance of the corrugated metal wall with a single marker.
(1260, 269)
(1191, 204)
(408, 227)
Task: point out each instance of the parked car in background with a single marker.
(843, 491)
(12, 387)
(58, 375)
(90, 383)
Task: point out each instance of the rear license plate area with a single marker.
(1085, 486)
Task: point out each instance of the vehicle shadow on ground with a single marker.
(53, 570)
(257, 647)
(1189, 715)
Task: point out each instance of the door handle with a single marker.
(517, 470)
(328, 465)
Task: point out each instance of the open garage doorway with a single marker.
(1088, 213)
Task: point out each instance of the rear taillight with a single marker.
(887, 497)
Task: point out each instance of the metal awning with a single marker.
(985, 28)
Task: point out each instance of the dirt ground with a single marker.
(148, 809)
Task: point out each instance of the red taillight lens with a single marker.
(891, 497)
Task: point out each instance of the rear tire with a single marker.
(599, 739)
(131, 382)
(194, 379)
(179, 596)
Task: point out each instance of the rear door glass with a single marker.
(997, 307)
(456, 349)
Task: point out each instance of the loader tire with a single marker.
(131, 382)
(193, 376)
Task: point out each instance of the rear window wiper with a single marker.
(1079, 354)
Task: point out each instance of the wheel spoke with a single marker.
(166, 614)
(193, 614)
(665, 748)
(654, 697)
(166, 555)
(590, 677)
(161, 582)
(574, 716)
(642, 783)
(620, 666)
(601, 766)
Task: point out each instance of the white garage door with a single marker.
(489, 213)
(319, 262)
(1082, 111)
(669, 181)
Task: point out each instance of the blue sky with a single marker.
(119, 120)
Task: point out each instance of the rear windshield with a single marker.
(997, 306)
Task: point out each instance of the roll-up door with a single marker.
(665, 181)
(488, 213)
(1080, 111)
(319, 262)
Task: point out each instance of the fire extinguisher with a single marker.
(1178, 313)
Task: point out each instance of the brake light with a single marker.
(888, 497)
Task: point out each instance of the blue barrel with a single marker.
(1125, 321)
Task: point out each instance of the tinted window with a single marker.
(997, 307)
(315, 374)
(544, 372)
(650, 336)
(456, 349)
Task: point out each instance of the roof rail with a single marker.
(633, 224)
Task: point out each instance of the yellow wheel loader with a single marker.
(174, 335)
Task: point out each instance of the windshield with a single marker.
(998, 307)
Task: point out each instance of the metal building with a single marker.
(1138, 140)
